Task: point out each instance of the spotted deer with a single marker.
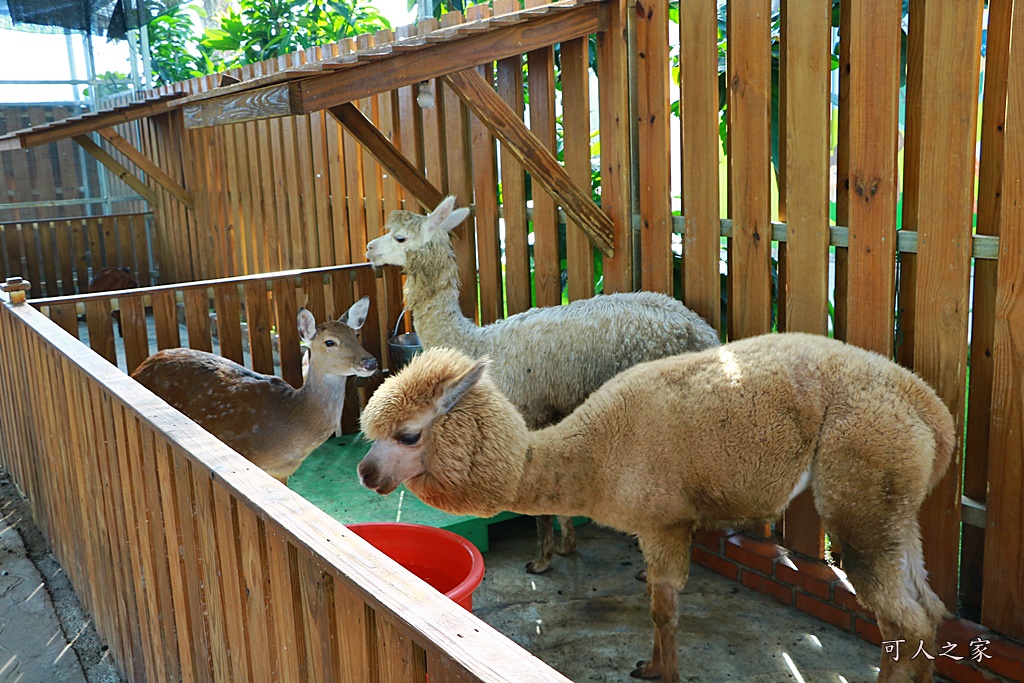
(263, 417)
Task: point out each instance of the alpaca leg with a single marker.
(668, 567)
(545, 545)
(568, 544)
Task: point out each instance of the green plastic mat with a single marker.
(328, 479)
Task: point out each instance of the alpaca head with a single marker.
(441, 427)
(408, 232)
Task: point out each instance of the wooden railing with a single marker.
(60, 255)
(196, 565)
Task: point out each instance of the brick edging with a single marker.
(822, 591)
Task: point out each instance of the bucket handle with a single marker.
(399, 321)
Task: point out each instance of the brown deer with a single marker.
(261, 416)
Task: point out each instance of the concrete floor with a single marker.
(588, 618)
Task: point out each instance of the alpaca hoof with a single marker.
(566, 549)
(641, 575)
(643, 670)
(537, 567)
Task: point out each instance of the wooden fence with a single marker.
(903, 270)
(194, 564)
(59, 256)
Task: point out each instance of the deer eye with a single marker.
(409, 438)
(330, 342)
(399, 239)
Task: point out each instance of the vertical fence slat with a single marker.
(1003, 591)
(257, 613)
(655, 149)
(698, 75)
(287, 331)
(401, 661)
(749, 78)
(133, 324)
(165, 320)
(99, 321)
(229, 570)
(229, 318)
(289, 641)
(257, 316)
(321, 645)
(485, 182)
(354, 622)
(804, 157)
(874, 35)
(579, 254)
(513, 188)
(65, 315)
(194, 583)
(197, 319)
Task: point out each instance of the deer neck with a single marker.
(321, 398)
(432, 295)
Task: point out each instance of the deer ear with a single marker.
(355, 316)
(444, 218)
(453, 393)
(307, 325)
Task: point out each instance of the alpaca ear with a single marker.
(445, 217)
(454, 392)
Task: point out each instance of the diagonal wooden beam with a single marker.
(503, 123)
(156, 173)
(387, 155)
(116, 168)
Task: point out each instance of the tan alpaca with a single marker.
(728, 435)
(545, 360)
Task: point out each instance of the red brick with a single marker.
(814, 577)
(824, 611)
(767, 586)
(1007, 657)
(710, 538)
(960, 631)
(715, 563)
(868, 630)
(962, 671)
(758, 555)
(847, 599)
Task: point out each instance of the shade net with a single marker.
(110, 18)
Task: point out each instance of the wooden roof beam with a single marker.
(154, 172)
(505, 125)
(86, 143)
(387, 155)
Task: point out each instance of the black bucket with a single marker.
(402, 347)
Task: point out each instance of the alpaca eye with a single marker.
(399, 239)
(410, 439)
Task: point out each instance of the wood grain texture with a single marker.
(541, 163)
(518, 294)
(485, 193)
(116, 168)
(945, 201)
(152, 170)
(576, 126)
(1004, 561)
(749, 97)
(655, 148)
(873, 100)
(267, 102)
(804, 205)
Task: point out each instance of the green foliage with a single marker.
(110, 84)
(175, 51)
(264, 29)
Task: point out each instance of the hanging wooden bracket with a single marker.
(155, 173)
(86, 143)
(505, 125)
(387, 155)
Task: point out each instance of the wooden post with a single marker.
(16, 287)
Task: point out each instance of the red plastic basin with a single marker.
(443, 559)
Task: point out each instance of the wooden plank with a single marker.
(250, 105)
(749, 77)
(613, 98)
(228, 552)
(65, 255)
(286, 607)
(197, 319)
(874, 100)
(156, 173)
(979, 409)
(316, 588)
(194, 579)
(531, 152)
(143, 268)
(946, 166)
(655, 148)
(576, 130)
(804, 203)
(229, 318)
(99, 322)
(485, 192)
(255, 578)
(400, 659)
(355, 623)
(287, 331)
(330, 89)
(1004, 533)
(116, 168)
(165, 320)
(257, 315)
(66, 316)
(136, 337)
(48, 266)
(842, 260)
(387, 155)
(513, 187)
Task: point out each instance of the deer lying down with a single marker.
(726, 435)
(261, 416)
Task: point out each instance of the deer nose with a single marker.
(369, 363)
